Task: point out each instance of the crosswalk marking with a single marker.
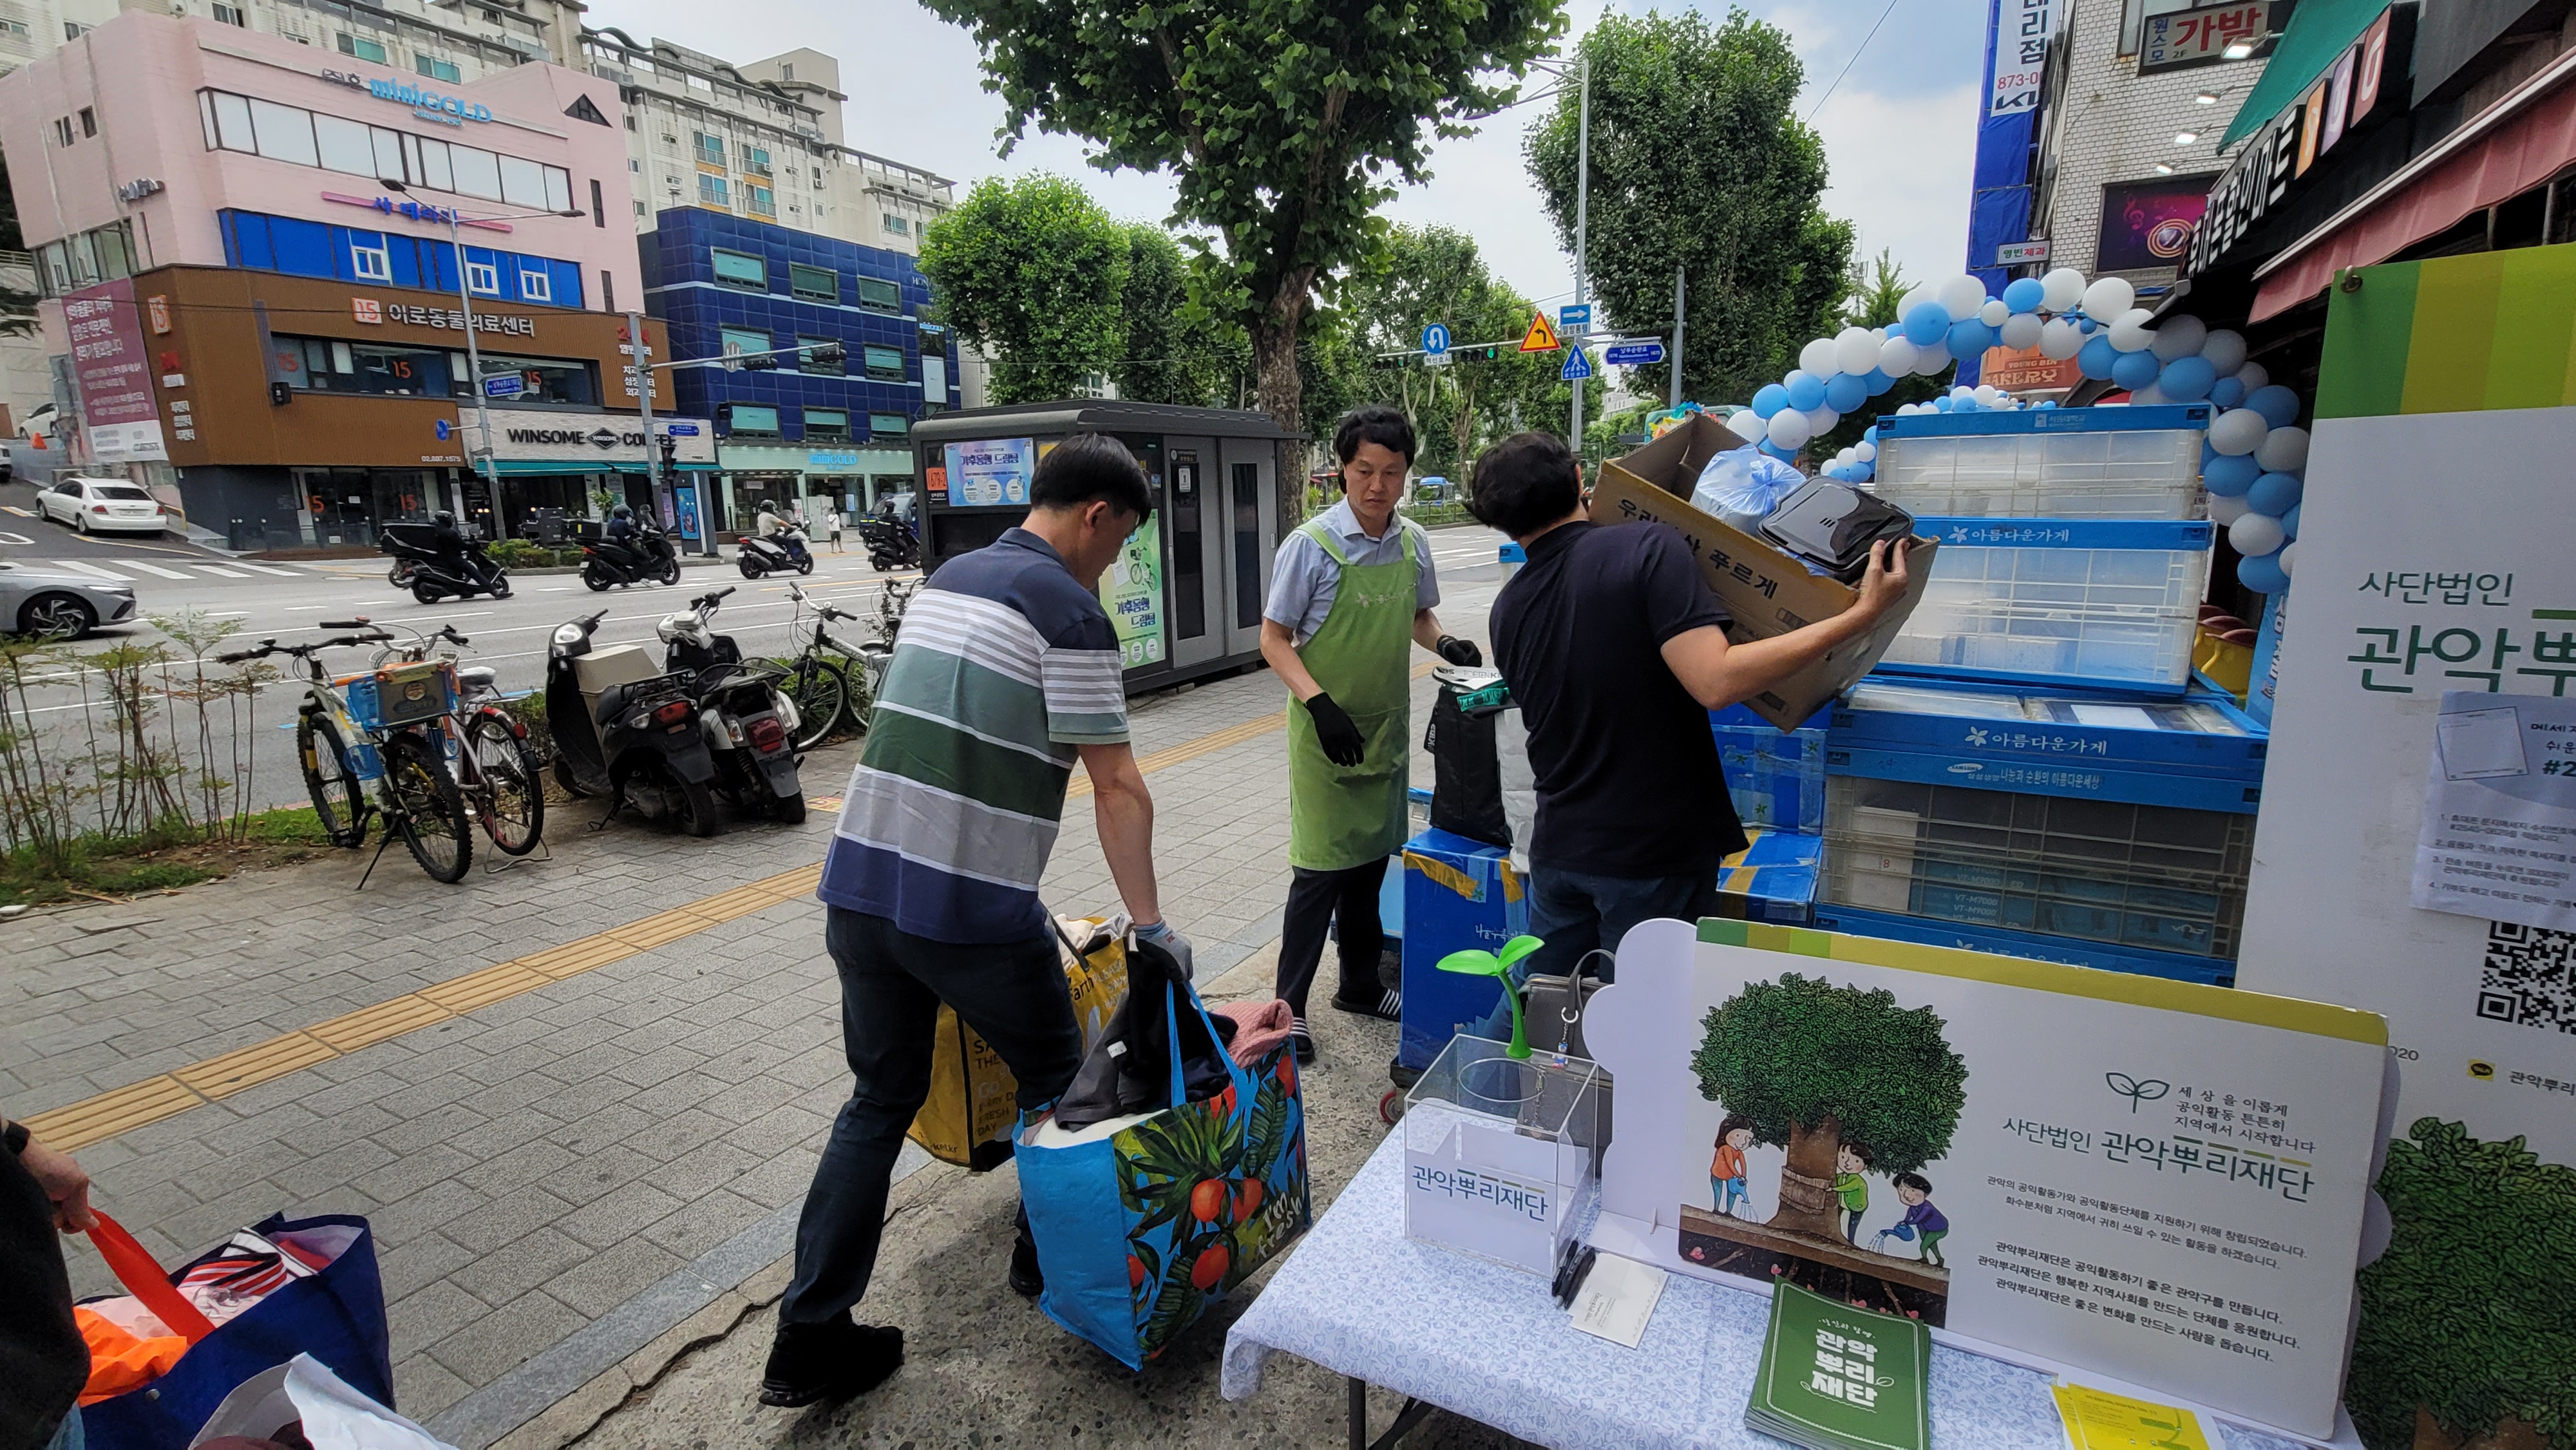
(220, 569)
(150, 568)
(267, 569)
(79, 567)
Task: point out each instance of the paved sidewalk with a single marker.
(579, 1099)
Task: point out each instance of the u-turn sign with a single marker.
(1435, 339)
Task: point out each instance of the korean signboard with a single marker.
(112, 372)
(2150, 223)
(2022, 28)
(594, 440)
(992, 471)
(2024, 370)
(2345, 95)
(1131, 590)
(2180, 39)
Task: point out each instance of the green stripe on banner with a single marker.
(2535, 328)
(2455, 334)
(2368, 332)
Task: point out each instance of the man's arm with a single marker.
(1125, 814)
(1426, 630)
(1718, 674)
(1279, 651)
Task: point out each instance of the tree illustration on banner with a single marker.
(1815, 1066)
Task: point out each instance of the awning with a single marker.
(2320, 32)
(2513, 146)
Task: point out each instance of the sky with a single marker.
(1899, 129)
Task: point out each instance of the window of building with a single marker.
(815, 284)
(100, 255)
(228, 15)
(436, 69)
(639, 208)
(89, 121)
(325, 365)
(711, 191)
(62, 130)
(346, 145)
(878, 295)
(739, 269)
(885, 364)
(759, 200)
(74, 30)
(368, 257)
(827, 423)
(535, 285)
(334, 143)
(541, 379)
(805, 362)
(746, 420)
(755, 160)
(482, 277)
(743, 340)
(711, 149)
(897, 225)
(19, 27)
(888, 425)
(607, 291)
(362, 48)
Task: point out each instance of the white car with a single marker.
(103, 505)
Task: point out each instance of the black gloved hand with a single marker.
(1460, 651)
(1343, 744)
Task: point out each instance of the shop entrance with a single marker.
(350, 505)
(751, 490)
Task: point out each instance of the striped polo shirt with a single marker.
(1004, 664)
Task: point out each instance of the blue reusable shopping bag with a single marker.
(1139, 1232)
(336, 1315)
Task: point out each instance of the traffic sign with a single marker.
(1435, 359)
(1574, 317)
(681, 430)
(1435, 340)
(442, 428)
(508, 385)
(1577, 366)
(1540, 337)
(1632, 353)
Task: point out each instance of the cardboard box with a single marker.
(1768, 592)
(1773, 879)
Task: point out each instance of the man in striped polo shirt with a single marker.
(1006, 672)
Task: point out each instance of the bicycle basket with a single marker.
(403, 695)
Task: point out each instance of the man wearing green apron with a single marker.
(1350, 595)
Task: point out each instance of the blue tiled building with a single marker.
(801, 436)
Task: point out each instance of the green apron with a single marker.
(1340, 818)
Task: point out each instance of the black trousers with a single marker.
(892, 983)
(1346, 900)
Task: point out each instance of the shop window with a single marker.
(483, 278)
(878, 295)
(739, 269)
(436, 69)
(332, 366)
(827, 423)
(541, 380)
(805, 357)
(885, 364)
(814, 284)
(746, 420)
(368, 259)
(535, 285)
(285, 132)
(889, 425)
(345, 145)
(362, 48)
(523, 183)
(743, 340)
(711, 191)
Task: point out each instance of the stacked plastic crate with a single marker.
(2033, 770)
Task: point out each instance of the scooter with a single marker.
(749, 723)
(624, 729)
(430, 576)
(644, 557)
(891, 542)
(783, 552)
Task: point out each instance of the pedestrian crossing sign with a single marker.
(1540, 337)
(1577, 366)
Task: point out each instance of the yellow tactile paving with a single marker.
(370, 1025)
(219, 1077)
(661, 929)
(481, 989)
(80, 1124)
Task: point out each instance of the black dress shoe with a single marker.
(1027, 1280)
(829, 1361)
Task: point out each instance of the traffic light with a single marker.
(759, 364)
(670, 450)
(830, 355)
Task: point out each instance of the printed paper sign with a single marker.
(1131, 590)
(993, 471)
(2100, 1420)
(2498, 840)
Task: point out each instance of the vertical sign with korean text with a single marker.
(1131, 589)
(2022, 28)
(113, 374)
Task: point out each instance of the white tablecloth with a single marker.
(1360, 1299)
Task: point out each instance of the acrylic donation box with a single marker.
(1501, 1153)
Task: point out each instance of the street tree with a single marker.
(1435, 274)
(1173, 351)
(1284, 123)
(1871, 296)
(1031, 271)
(1697, 162)
(1816, 1066)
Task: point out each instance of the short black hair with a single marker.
(1087, 466)
(1915, 1181)
(1862, 1154)
(1374, 423)
(1733, 1122)
(1524, 483)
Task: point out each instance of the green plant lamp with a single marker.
(1498, 965)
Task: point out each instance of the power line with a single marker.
(1855, 59)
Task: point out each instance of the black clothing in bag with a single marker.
(1466, 778)
(1129, 1070)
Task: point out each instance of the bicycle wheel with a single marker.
(513, 796)
(428, 810)
(821, 691)
(329, 781)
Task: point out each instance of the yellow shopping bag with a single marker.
(973, 1097)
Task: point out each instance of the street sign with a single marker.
(681, 430)
(1540, 337)
(631, 349)
(1574, 317)
(1435, 340)
(2010, 253)
(1435, 359)
(1633, 353)
(508, 385)
(1578, 365)
(442, 429)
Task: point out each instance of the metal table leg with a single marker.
(1414, 1413)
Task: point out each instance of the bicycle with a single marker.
(496, 769)
(386, 740)
(822, 687)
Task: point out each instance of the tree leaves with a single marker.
(1801, 1050)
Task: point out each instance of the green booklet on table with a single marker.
(1837, 1377)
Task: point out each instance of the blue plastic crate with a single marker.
(1458, 894)
(2101, 603)
(2198, 752)
(2002, 941)
(1775, 777)
(1773, 879)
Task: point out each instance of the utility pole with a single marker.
(474, 367)
(1677, 335)
(643, 375)
(1582, 219)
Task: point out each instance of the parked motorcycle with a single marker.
(643, 557)
(748, 722)
(430, 575)
(891, 541)
(783, 552)
(625, 729)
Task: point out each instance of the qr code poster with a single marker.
(2529, 980)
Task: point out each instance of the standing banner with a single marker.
(113, 374)
(2435, 596)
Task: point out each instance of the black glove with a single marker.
(1343, 744)
(1460, 651)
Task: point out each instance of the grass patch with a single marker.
(96, 868)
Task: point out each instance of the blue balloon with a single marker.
(2228, 392)
(1970, 338)
(1806, 390)
(1776, 451)
(1869, 434)
(1770, 400)
(1863, 472)
(2274, 493)
(2290, 522)
(1942, 403)
(1843, 392)
(1926, 324)
(1875, 381)
(2094, 359)
(2186, 379)
(2134, 369)
(2044, 403)
(2263, 575)
(2024, 295)
(2085, 325)
(2230, 476)
(2278, 405)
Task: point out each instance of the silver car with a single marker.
(57, 604)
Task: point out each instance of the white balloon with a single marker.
(2179, 337)
(1897, 356)
(1916, 296)
(1877, 334)
(2060, 339)
(2226, 511)
(2225, 350)
(2255, 535)
(2132, 333)
(1933, 362)
(1747, 425)
(1818, 357)
(1821, 420)
(1865, 451)
(2109, 298)
(1988, 394)
(2022, 329)
(2147, 396)
(2238, 431)
(1994, 313)
(1846, 456)
(2283, 450)
(1855, 351)
(2060, 290)
(1962, 390)
(2289, 559)
(2253, 376)
(1788, 428)
(1961, 296)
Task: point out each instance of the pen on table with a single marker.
(1574, 1285)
